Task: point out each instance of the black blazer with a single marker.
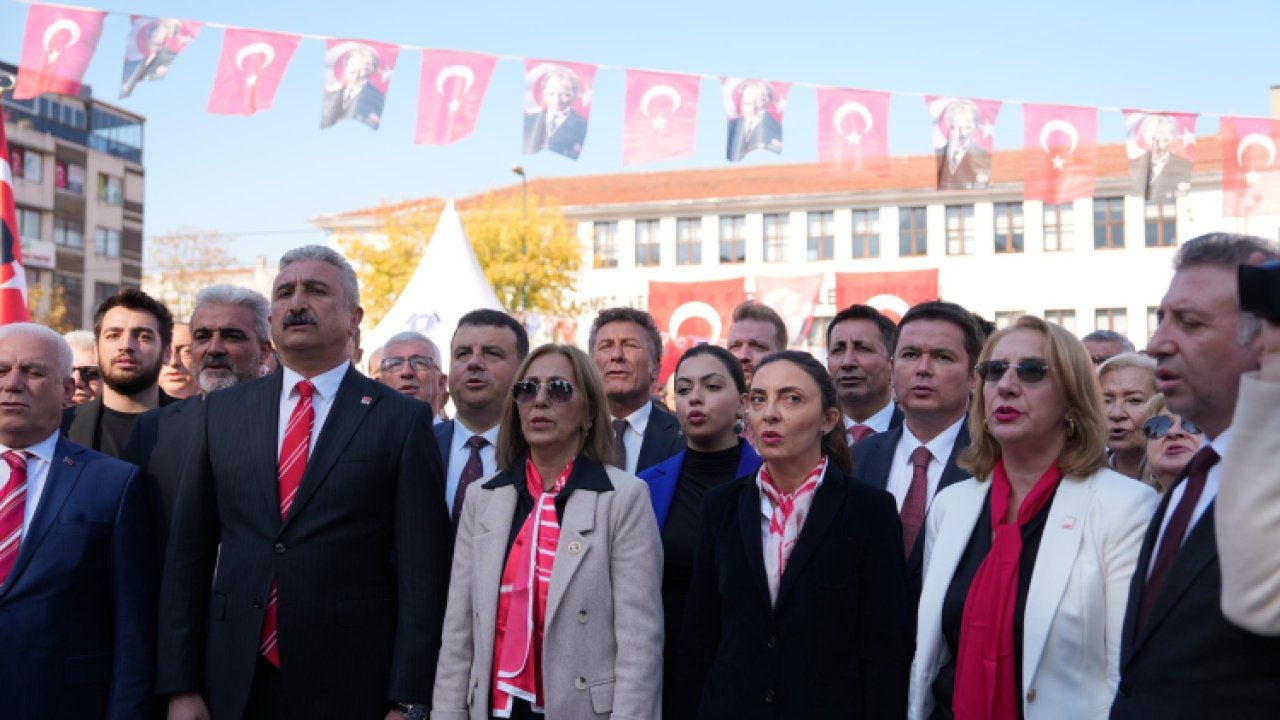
(662, 438)
(362, 561)
(1188, 661)
(444, 440)
(158, 446)
(80, 422)
(836, 644)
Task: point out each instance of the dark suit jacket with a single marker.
(444, 441)
(973, 172)
(662, 478)
(1187, 661)
(80, 422)
(158, 446)
(367, 107)
(361, 562)
(1163, 186)
(567, 139)
(662, 438)
(766, 135)
(77, 613)
(834, 647)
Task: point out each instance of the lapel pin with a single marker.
(1068, 522)
(67, 459)
(366, 400)
(575, 547)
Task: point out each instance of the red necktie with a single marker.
(1176, 530)
(913, 505)
(13, 503)
(292, 465)
(858, 432)
(470, 473)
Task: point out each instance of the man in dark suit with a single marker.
(1160, 174)
(133, 332)
(936, 347)
(755, 128)
(77, 578)
(859, 358)
(627, 347)
(962, 163)
(1179, 656)
(557, 127)
(316, 493)
(355, 98)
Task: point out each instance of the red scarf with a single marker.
(986, 679)
(789, 513)
(522, 599)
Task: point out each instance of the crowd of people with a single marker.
(225, 518)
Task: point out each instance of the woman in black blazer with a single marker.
(798, 603)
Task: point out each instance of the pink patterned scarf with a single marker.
(789, 512)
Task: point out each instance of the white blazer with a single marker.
(1071, 627)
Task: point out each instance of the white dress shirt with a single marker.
(326, 387)
(37, 472)
(901, 471)
(459, 454)
(878, 422)
(1220, 445)
(633, 438)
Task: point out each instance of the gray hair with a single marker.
(1128, 360)
(81, 340)
(1110, 336)
(410, 336)
(1230, 251)
(320, 253)
(243, 297)
(49, 337)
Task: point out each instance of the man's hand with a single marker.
(188, 707)
(1270, 339)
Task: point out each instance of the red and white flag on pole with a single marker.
(661, 117)
(1250, 166)
(1060, 154)
(853, 130)
(249, 71)
(56, 49)
(13, 279)
(1162, 153)
(152, 46)
(754, 111)
(451, 89)
(557, 106)
(357, 76)
(793, 298)
(963, 136)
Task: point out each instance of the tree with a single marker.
(182, 262)
(53, 315)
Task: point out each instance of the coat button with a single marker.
(771, 642)
(279, 548)
(582, 616)
(768, 696)
(580, 683)
(257, 604)
(1031, 695)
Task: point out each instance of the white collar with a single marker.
(940, 447)
(326, 383)
(43, 450)
(639, 420)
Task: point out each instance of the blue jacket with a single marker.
(662, 478)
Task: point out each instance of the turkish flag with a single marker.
(1250, 171)
(1060, 154)
(853, 130)
(1162, 153)
(963, 135)
(357, 76)
(56, 49)
(661, 117)
(557, 106)
(892, 293)
(691, 313)
(794, 298)
(754, 110)
(249, 70)
(451, 89)
(13, 279)
(152, 46)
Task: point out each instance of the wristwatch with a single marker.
(412, 711)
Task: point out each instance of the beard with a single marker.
(131, 383)
(211, 384)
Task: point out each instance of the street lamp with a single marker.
(524, 222)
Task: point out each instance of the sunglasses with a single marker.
(1030, 370)
(90, 373)
(559, 391)
(1160, 425)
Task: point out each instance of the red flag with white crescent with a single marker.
(661, 117)
(853, 130)
(892, 293)
(13, 278)
(754, 111)
(557, 106)
(56, 49)
(249, 71)
(357, 76)
(793, 298)
(1060, 154)
(964, 131)
(690, 313)
(152, 46)
(1250, 166)
(1161, 147)
(451, 89)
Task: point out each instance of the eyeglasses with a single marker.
(559, 391)
(89, 373)
(1160, 425)
(419, 363)
(1030, 370)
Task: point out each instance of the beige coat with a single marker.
(602, 651)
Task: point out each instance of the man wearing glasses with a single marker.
(410, 365)
(84, 370)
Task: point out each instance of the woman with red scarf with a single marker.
(1028, 564)
(555, 604)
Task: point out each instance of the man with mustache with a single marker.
(133, 332)
(859, 339)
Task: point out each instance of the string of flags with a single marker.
(660, 113)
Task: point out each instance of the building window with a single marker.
(866, 234)
(31, 167)
(913, 239)
(68, 232)
(1108, 223)
(1008, 228)
(1162, 224)
(102, 291)
(733, 239)
(1065, 319)
(648, 251)
(1115, 319)
(108, 242)
(775, 237)
(959, 229)
(1059, 227)
(689, 241)
(1005, 318)
(30, 224)
(72, 294)
(604, 247)
(822, 236)
(1153, 322)
(15, 160)
(68, 176)
(109, 189)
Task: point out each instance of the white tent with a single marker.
(447, 285)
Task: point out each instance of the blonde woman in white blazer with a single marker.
(1039, 432)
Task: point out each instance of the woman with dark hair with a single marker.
(797, 602)
(554, 602)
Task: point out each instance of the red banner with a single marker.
(963, 136)
(1250, 171)
(1060, 155)
(1162, 153)
(692, 313)
(660, 118)
(357, 76)
(754, 110)
(892, 293)
(452, 88)
(56, 49)
(249, 71)
(13, 279)
(853, 130)
(557, 106)
(151, 47)
(794, 298)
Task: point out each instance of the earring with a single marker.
(587, 427)
(1071, 427)
(739, 426)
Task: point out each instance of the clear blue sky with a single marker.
(260, 178)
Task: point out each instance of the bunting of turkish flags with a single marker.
(794, 298)
(690, 313)
(853, 130)
(1250, 171)
(1060, 155)
(661, 117)
(56, 49)
(13, 279)
(249, 71)
(892, 293)
(451, 90)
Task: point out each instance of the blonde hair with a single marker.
(1072, 373)
(1130, 360)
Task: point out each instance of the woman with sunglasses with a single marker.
(555, 607)
(1127, 380)
(797, 602)
(1171, 441)
(1028, 564)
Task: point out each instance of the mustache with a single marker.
(299, 317)
(215, 361)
